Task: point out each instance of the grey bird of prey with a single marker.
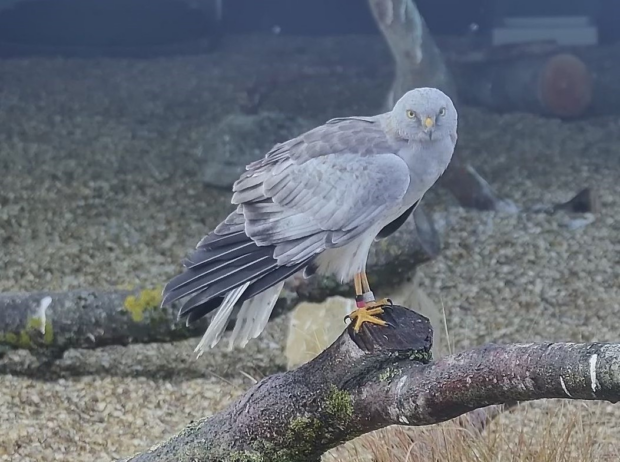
(317, 201)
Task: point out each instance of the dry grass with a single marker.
(563, 433)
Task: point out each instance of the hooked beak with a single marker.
(429, 125)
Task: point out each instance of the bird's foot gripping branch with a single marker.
(300, 414)
(381, 376)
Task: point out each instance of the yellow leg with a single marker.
(366, 289)
(357, 281)
(365, 284)
(366, 310)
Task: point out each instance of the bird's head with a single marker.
(424, 114)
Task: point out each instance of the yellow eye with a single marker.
(411, 114)
(442, 111)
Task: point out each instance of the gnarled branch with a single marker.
(385, 376)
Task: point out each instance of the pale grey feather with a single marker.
(220, 320)
(253, 316)
(298, 250)
(346, 195)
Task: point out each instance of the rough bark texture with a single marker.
(54, 322)
(57, 321)
(385, 376)
(419, 63)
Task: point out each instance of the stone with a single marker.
(240, 139)
(315, 326)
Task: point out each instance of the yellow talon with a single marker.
(366, 314)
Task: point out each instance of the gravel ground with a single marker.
(101, 188)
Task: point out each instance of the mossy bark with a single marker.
(298, 415)
(385, 376)
(54, 322)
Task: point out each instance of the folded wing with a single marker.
(320, 190)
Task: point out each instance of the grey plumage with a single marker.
(318, 199)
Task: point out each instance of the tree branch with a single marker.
(52, 322)
(384, 376)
